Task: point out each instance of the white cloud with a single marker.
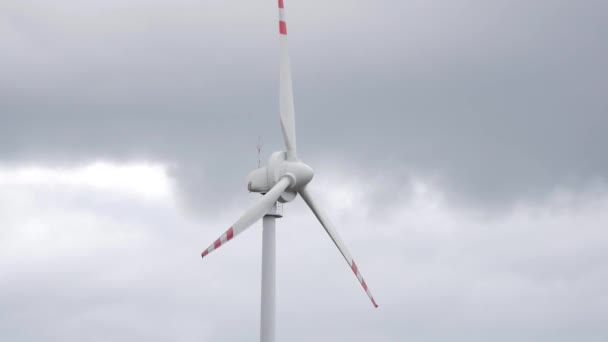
(147, 180)
(84, 261)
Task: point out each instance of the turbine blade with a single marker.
(287, 111)
(333, 234)
(256, 212)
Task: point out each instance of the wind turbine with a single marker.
(282, 180)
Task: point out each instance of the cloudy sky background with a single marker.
(459, 147)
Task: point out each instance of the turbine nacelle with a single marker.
(263, 179)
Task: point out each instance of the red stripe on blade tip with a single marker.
(282, 27)
(281, 4)
(354, 267)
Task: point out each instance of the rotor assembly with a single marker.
(264, 178)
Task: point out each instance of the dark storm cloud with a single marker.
(498, 100)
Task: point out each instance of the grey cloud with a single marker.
(438, 272)
(494, 103)
(500, 101)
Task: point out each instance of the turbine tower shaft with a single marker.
(268, 304)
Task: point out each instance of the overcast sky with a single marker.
(459, 146)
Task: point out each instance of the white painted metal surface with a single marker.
(287, 109)
(268, 304)
(283, 178)
(333, 234)
(256, 212)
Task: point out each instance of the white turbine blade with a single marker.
(287, 114)
(256, 212)
(331, 231)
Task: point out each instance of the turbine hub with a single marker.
(299, 173)
(263, 179)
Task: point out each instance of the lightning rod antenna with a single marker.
(259, 147)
